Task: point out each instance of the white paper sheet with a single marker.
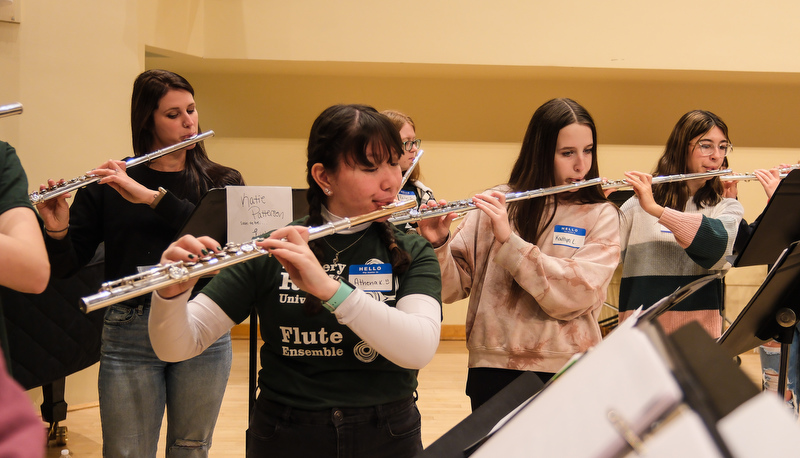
(254, 210)
(624, 373)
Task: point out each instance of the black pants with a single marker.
(485, 382)
(388, 430)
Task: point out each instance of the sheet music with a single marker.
(685, 435)
(624, 374)
(762, 426)
(254, 210)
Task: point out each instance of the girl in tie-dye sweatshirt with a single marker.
(536, 271)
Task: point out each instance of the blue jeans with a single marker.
(388, 430)
(135, 387)
(793, 371)
(770, 355)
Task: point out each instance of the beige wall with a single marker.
(470, 73)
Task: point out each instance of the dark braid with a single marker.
(400, 258)
(312, 304)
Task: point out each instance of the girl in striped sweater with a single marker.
(677, 232)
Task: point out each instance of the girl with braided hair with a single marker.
(347, 320)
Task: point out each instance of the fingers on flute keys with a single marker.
(190, 248)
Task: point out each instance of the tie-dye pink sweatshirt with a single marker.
(566, 275)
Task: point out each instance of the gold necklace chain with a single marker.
(336, 256)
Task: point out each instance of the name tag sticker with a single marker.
(371, 277)
(570, 236)
(403, 196)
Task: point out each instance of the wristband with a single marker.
(159, 195)
(345, 288)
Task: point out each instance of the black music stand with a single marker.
(778, 225)
(209, 217)
(778, 228)
(771, 313)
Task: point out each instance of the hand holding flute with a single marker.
(187, 249)
(55, 211)
(55, 214)
(436, 229)
(642, 184)
(289, 245)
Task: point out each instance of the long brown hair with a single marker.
(675, 160)
(535, 167)
(200, 173)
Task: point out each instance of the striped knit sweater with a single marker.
(661, 255)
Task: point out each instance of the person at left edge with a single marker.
(137, 213)
(26, 269)
(338, 382)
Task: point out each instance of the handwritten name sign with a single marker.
(254, 210)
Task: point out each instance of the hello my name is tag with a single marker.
(371, 277)
(570, 236)
(404, 195)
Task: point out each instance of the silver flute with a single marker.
(159, 277)
(411, 168)
(617, 184)
(462, 206)
(10, 110)
(64, 187)
(783, 173)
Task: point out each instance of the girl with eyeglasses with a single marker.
(675, 233)
(413, 188)
(536, 271)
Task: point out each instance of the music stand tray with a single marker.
(757, 322)
(209, 217)
(779, 225)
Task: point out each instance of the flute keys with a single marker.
(178, 272)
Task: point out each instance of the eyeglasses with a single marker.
(410, 144)
(707, 148)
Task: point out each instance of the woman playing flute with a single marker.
(413, 188)
(536, 271)
(137, 213)
(347, 320)
(677, 232)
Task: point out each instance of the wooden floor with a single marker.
(442, 403)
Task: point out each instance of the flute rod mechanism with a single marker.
(783, 173)
(462, 206)
(10, 109)
(158, 277)
(58, 189)
(617, 184)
